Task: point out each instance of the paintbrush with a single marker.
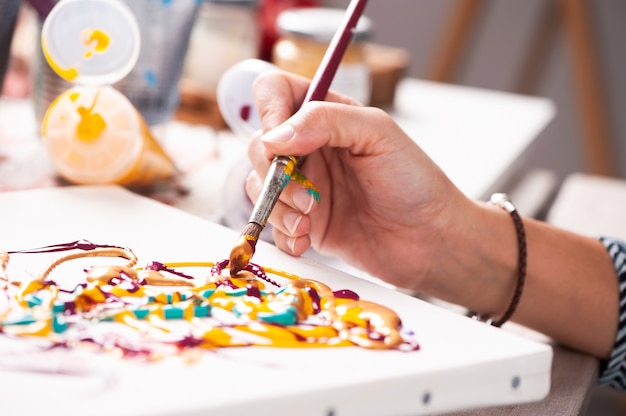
(282, 166)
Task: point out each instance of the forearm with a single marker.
(571, 292)
(571, 289)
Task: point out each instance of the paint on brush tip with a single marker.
(298, 177)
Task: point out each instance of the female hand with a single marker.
(385, 206)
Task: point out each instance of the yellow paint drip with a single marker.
(97, 40)
(89, 297)
(68, 74)
(352, 315)
(91, 125)
(123, 291)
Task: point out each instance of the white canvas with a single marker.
(461, 364)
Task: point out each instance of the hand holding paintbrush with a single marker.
(282, 166)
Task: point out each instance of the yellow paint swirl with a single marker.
(96, 41)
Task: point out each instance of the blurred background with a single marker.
(534, 47)
(570, 51)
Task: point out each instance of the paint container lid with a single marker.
(320, 23)
(91, 42)
(235, 99)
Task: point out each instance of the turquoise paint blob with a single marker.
(151, 77)
(315, 194)
(27, 319)
(59, 323)
(286, 317)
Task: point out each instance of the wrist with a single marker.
(502, 201)
(482, 272)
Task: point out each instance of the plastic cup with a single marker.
(165, 28)
(84, 42)
(144, 57)
(93, 132)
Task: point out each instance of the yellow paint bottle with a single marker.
(92, 132)
(95, 136)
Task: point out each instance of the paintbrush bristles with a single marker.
(252, 231)
(243, 251)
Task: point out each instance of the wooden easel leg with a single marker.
(597, 143)
(449, 54)
(536, 56)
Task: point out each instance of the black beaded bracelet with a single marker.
(503, 201)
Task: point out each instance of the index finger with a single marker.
(278, 95)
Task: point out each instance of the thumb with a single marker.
(362, 130)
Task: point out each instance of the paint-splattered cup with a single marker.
(151, 84)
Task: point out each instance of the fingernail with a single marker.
(280, 134)
(303, 200)
(292, 244)
(291, 220)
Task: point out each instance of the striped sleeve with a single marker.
(613, 372)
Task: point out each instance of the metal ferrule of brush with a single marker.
(275, 181)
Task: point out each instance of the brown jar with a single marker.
(305, 34)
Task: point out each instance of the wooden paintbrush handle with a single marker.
(334, 54)
(277, 178)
